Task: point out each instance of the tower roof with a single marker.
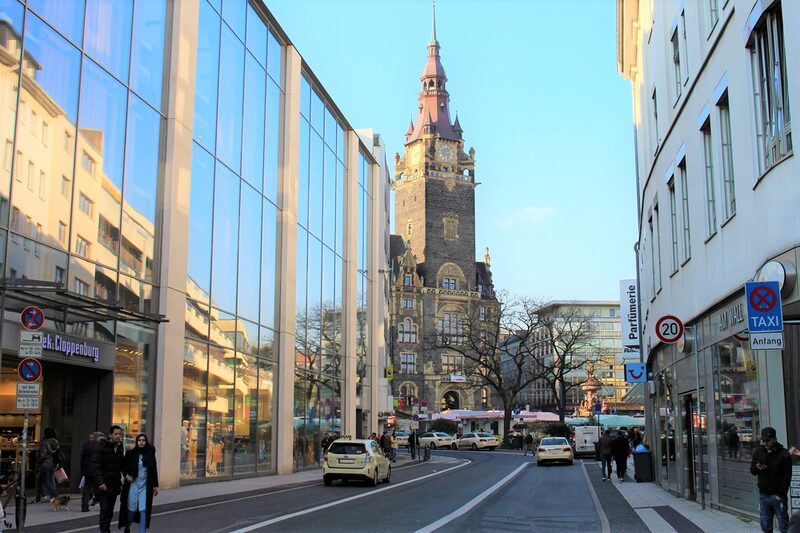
(434, 99)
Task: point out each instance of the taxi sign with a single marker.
(764, 309)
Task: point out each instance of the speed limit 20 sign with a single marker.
(669, 329)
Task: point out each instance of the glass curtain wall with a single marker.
(81, 126)
(319, 374)
(229, 364)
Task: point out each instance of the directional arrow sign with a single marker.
(635, 373)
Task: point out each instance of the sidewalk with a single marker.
(42, 513)
(664, 513)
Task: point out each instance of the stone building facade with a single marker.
(436, 280)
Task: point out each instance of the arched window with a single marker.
(450, 400)
(485, 398)
(407, 331)
(408, 391)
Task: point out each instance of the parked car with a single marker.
(477, 441)
(554, 449)
(355, 459)
(435, 439)
(402, 438)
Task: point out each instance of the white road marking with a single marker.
(654, 521)
(339, 502)
(472, 503)
(606, 527)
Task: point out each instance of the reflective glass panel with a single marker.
(302, 174)
(274, 58)
(266, 387)
(196, 320)
(233, 11)
(141, 188)
(193, 412)
(300, 449)
(330, 129)
(245, 431)
(330, 405)
(249, 253)
(305, 97)
(65, 15)
(341, 174)
(226, 228)
(265, 343)
(268, 261)
(26, 258)
(205, 94)
(223, 328)
(11, 15)
(254, 107)
(329, 198)
(246, 336)
(136, 347)
(220, 442)
(315, 185)
(317, 112)
(231, 86)
(301, 275)
(147, 50)
(137, 295)
(340, 143)
(256, 36)
(272, 141)
(108, 34)
(314, 291)
(201, 203)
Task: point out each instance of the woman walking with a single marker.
(141, 484)
(620, 451)
(48, 459)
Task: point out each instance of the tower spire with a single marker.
(434, 42)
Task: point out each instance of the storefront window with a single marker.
(219, 445)
(135, 348)
(246, 414)
(193, 421)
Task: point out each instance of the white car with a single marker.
(477, 441)
(435, 439)
(553, 449)
(402, 438)
(355, 459)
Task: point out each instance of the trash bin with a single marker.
(643, 467)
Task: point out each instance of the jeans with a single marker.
(46, 482)
(142, 520)
(607, 465)
(87, 492)
(107, 502)
(525, 448)
(393, 455)
(769, 506)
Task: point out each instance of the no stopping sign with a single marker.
(669, 329)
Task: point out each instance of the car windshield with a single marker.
(442, 435)
(559, 441)
(485, 435)
(347, 448)
(401, 434)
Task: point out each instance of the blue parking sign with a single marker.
(764, 309)
(635, 373)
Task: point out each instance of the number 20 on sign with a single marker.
(669, 329)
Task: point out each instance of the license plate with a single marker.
(346, 461)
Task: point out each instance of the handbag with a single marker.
(60, 475)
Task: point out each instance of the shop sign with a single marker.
(629, 312)
(456, 378)
(730, 317)
(70, 347)
(28, 396)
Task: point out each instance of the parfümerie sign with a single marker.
(70, 347)
(629, 313)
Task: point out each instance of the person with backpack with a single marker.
(49, 458)
(605, 445)
(528, 444)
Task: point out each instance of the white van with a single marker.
(585, 437)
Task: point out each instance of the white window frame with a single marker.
(673, 219)
(685, 215)
(711, 192)
(676, 63)
(726, 147)
(408, 363)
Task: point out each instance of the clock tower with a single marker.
(435, 184)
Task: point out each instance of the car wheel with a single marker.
(328, 480)
(538, 463)
(474, 447)
(432, 446)
(388, 477)
(374, 481)
(454, 446)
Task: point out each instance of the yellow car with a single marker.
(355, 459)
(477, 441)
(553, 449)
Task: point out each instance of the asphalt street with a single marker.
(458, 491)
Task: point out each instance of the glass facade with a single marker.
(229, 364)
(82, 130)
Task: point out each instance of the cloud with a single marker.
(526, 215)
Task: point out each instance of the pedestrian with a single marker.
(386, 443)
(49, 457)
(87, 480)
(107, 474)
(413, 444)
(395, 445)
(733, 443)
(620, 448)
(772, 463)
(636, 439)
(605, 449)
(141, 485)
(528, 444)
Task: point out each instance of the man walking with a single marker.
(87, 451)
(528, 444)
(412, 444)
(606, 456)
(773, 466)
(107, 473)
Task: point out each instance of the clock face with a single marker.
(446, 153)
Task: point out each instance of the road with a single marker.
(457, 491)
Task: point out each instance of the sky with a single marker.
(537, 92)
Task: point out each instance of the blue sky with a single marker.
(537, 92)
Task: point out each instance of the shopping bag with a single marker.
(60, 475)
(82, 483)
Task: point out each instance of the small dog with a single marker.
(60, 502)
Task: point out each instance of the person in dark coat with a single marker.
(605, 447)
(141, 484)
(87, 450)
(48, 460)
(772, 463)
(107, 474)
(413, 444)
(620, 450)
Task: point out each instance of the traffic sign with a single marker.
(764, 309)
(29, 370)
(635, 373)
(516, 410)
(30, 337)
(31, 318)
(28, 395)
(766, 340)
(669, 329)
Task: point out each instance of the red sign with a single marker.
(29, 370)
(31, 318)
(669, 329)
